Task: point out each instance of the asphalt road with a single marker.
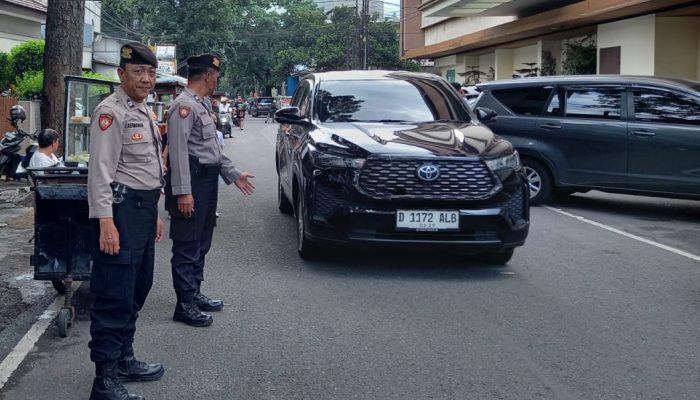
(580, 312)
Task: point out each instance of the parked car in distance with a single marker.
(395, 159)
(261, 106)
(623, 134)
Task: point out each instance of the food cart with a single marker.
(63, 234)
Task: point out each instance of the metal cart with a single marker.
(62, 233)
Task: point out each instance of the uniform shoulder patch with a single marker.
(105, 121)
(184, 111)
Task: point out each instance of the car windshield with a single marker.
(386, 100)
(265, 101)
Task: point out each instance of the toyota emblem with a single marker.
(428, 172)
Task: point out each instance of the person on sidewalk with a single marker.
(125, 177)
(196, 161)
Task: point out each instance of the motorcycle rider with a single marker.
(225, 109)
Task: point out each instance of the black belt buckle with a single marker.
(119, 192)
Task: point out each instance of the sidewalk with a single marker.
(19, 292)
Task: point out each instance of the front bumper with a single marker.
(337, 215)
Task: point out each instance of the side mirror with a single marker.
(290, 115)
(485, 114)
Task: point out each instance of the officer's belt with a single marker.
(123, 192)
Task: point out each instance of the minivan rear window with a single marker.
(525, 100)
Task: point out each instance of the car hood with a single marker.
(426, 139)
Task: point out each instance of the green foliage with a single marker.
(549, 64)
(30, 84)
(27, 57)
(5, 73)
(580, 57)
(260, 42)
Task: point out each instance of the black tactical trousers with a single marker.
(192, 236)
(120, 283)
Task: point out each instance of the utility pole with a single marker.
(357, 42)
(365, 30)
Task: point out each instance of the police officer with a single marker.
(191, 193)
(125, 176)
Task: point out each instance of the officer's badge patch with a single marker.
(215, 61)
(105, 121)
(184, 112)
(136, 137)
(126, 53)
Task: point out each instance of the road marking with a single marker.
(625, 234)
(19, 353)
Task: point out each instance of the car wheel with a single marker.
(497, 258)
(539, 182)
(307, 250)
(283, 204)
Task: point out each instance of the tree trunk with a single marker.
(63, 55)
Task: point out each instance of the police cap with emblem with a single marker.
(204, 61)
(137, 53)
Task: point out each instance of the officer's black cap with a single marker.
(204, 61)
(137, 53)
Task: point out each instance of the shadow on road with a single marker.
(404, 264)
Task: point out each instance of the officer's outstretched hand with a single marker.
(109, 237)
(159, 230)
(244, 184)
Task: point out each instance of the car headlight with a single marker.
(325, 160)
(511, 161)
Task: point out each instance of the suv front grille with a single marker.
(460, 179)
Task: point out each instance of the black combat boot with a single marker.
(187, 311)
(204, 302)
(107, 386)
(129, 369)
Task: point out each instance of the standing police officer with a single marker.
(196, 161)
(125, 176)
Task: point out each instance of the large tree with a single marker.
(62, 56)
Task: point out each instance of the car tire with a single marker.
(283, 204)
(497, 258)
(539, 182)
(306, 248)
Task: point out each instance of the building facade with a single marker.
(503, 39)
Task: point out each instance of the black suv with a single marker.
(261, 106)
(396, 159)
(624, 134)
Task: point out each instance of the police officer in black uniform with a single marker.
(125, 177)
(191, 193)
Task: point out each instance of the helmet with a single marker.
(224, 99)
(17, 113)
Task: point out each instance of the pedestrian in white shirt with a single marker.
(48, 145)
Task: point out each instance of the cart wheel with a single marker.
(63, 322)
(59, 286)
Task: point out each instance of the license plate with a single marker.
(427, 220)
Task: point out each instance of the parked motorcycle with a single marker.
(11, 164)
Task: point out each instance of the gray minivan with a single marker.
(623, 134)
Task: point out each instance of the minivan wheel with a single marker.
(283, 204)
(539, 182)
(497, 258)
(306, 249)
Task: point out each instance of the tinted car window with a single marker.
(593, 103)
(524, 101)
(386, 100)
(265, 100)
(665, 107)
